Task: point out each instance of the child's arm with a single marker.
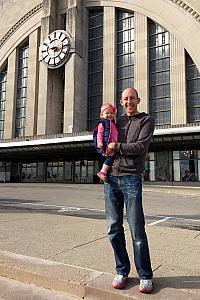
(100, 136)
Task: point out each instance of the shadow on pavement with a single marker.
(177, 282)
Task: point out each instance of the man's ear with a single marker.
(121, 102)
(139, 100)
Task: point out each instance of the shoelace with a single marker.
(147, 281)
(119, 276)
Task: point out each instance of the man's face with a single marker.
(130, 101)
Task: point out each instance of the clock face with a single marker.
(55, 49)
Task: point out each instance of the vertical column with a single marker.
(45, 125)
(109, 43)
(178, 82)
(32, 89)
(10, 97)
(43, 96)
(75, 103)
(141, 61)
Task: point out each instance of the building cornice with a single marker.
(188, 9)
(19, 23)
(88, 137)
(37, 8)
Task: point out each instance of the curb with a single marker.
(81, 282)
(47, 274)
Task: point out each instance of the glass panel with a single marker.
(189, 170)
(151, 155)
(159, 73)
(177, 173)
(21, 91)
(3, 86)
(176, 155)
(83, 171)
(193, 90)
(163, 166)
(95, 66)
(151, 171)
(198, 170)
(40, 170)
(125, 54)
(68, 170)
(77, 171)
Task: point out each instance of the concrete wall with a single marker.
(182, 23)
(43, 104)
(12, 10)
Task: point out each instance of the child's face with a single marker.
(108, 114)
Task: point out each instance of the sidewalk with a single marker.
(14, 290)
(72, 255)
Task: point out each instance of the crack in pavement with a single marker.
(77, 246)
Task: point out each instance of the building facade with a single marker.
(60, 60)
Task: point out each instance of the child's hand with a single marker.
(99, 145)
(111, 149)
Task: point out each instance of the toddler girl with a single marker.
(105, 132)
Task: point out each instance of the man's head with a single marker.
(130, 101)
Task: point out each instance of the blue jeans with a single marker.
(128, 190)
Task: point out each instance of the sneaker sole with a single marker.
(119, 287)
(145, 291)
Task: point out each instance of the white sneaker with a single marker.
(146, 286)
(119, 281)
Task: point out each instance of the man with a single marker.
(124, 185)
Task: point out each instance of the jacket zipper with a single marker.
(127, 129)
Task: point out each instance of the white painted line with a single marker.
(194, 220)
(71, 208)
(62, 208)
(175, 218)
(159, 221)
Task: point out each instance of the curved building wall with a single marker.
(12, 10)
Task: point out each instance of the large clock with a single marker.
(56, 49)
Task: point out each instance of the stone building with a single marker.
(61, 59)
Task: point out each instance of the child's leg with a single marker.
(104, 170)
(102, 174)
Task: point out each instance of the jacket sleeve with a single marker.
(142, 143)
(100, 133)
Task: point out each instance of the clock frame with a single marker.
(56, 49)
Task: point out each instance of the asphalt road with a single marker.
(163, 206)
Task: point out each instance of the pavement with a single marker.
(54, 256)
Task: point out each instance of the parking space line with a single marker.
(160, 221)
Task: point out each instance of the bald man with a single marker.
(124, 186)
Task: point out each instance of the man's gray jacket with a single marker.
(134, 135)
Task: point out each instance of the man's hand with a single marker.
(111, 149)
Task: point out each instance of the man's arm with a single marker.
(137, 147)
